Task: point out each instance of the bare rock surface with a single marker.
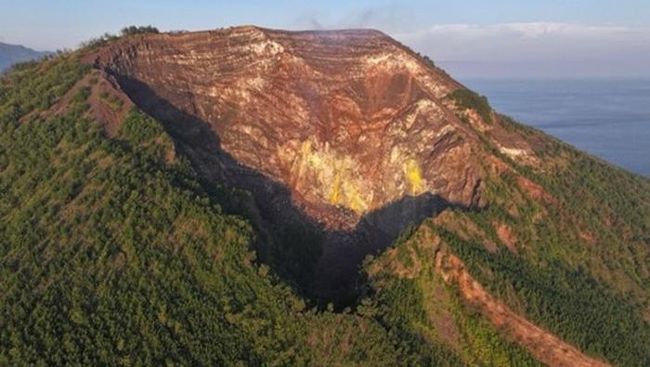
(348, 130)
(349, 121)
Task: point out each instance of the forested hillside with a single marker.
(571, 254)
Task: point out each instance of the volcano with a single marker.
(249, 196)
(348, 131)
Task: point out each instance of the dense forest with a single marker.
(115, 252)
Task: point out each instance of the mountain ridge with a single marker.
(13, 54)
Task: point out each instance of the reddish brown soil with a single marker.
(108, 104)
(506, 236)
(542, 344)
(535, 191)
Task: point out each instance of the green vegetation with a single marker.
(428, 316)
(21, 92)
(130, 30)
(400, 307)
(467, 99)
(102, 40)
(579, 264)
(295, 252)
(112, 255)
(567, 301)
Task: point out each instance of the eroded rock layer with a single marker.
(348, 122)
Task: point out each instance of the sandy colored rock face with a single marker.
(348, 121)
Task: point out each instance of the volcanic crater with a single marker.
(348, 132)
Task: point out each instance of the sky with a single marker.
(470, 38)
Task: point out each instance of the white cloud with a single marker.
(602, 48)
(542, 29)
(526, 30)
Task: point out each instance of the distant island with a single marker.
(13, 54)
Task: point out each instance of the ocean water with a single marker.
(609, 118)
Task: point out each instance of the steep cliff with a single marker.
(346, 130)
(348, 121)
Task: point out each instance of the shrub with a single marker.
(127, 31)
(465, 98)
(98, 41)
(428, 61)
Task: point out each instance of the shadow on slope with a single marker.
(323, 264)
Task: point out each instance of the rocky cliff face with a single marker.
(348, 130)
(348, 121)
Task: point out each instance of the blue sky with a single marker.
(482, 37)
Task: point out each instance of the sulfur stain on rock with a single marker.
(353, 199)
(346, 193)
(333, 176)
(335, 194)
(338, 177)
(413, 175)
(345, 135)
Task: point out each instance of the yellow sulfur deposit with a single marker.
(335, 177)
(339, 181)
(414, 176)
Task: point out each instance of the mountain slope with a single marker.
(139, 173)
(114, 254)
(13, 54)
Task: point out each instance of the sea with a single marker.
(608, 118)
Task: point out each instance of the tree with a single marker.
(132, 29)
